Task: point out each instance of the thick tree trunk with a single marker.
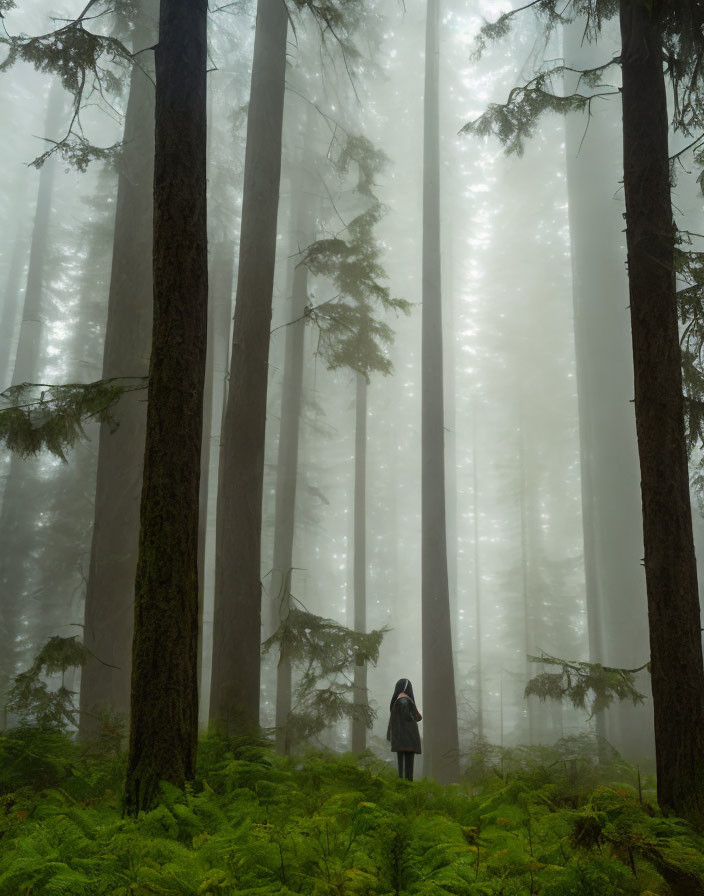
(164, 706)
(109, 605)
(286, 475)
(359, 728)
(234, 700)
(440, 747)
(670, 570)
(611, 513)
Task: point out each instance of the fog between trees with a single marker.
(542, 495)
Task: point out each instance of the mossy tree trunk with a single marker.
(670, 570)
(234, 701)
(441, 749)
(164, 704)
(109, 605)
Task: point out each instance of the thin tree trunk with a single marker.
(164, 705)
(359, 728)
(234, 700)
(109, 605)
(19, 500)
(440, 725)
(528, 647)
(11, 303)
(477, 577)
(219, 316)
(286, 475)
(670, 570)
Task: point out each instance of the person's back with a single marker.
(403, 727)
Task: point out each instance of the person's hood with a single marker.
(403, 686)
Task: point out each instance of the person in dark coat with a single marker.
(403, 727)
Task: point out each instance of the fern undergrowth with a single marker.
(330, 825)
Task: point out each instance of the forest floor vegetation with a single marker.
(325, 824)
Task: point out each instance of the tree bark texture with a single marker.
(164, 705)
(234, 700)
(361, 698)
(441, 750)
(670, 570)
(611, 511)
(109, 605)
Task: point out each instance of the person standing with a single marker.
(403, 727)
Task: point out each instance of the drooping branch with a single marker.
(39, 416)
(586, 685)
(515, 120)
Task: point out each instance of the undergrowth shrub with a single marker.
(257, 824)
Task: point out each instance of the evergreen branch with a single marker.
(584, 683)
(515, 120)
(54, 419)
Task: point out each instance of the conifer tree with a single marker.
(109, 605)
(441, 757)
(234, 696)
(650, 35)
(164, 698)
(19, 508)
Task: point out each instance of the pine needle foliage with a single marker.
(689, 264)
(31, 700)
(324, 653)
(326, 825)
(589, 686)
(90, 66)
(681, 26)
(37, 416)
(350, 334)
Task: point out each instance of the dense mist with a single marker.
(510, 300)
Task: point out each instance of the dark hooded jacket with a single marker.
(403, 723)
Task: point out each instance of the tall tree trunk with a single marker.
(11, 304)
(164, 705)
(359, 728)
(109, 605)
(19, 499)
(219, 318)
(440, 725)
(286, 475)
(234, 700)
(477, 577)
(611, 514)
(526, 559)
(670, 570)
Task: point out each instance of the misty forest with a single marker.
(352, 357)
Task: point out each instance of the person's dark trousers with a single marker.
(405, 759)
